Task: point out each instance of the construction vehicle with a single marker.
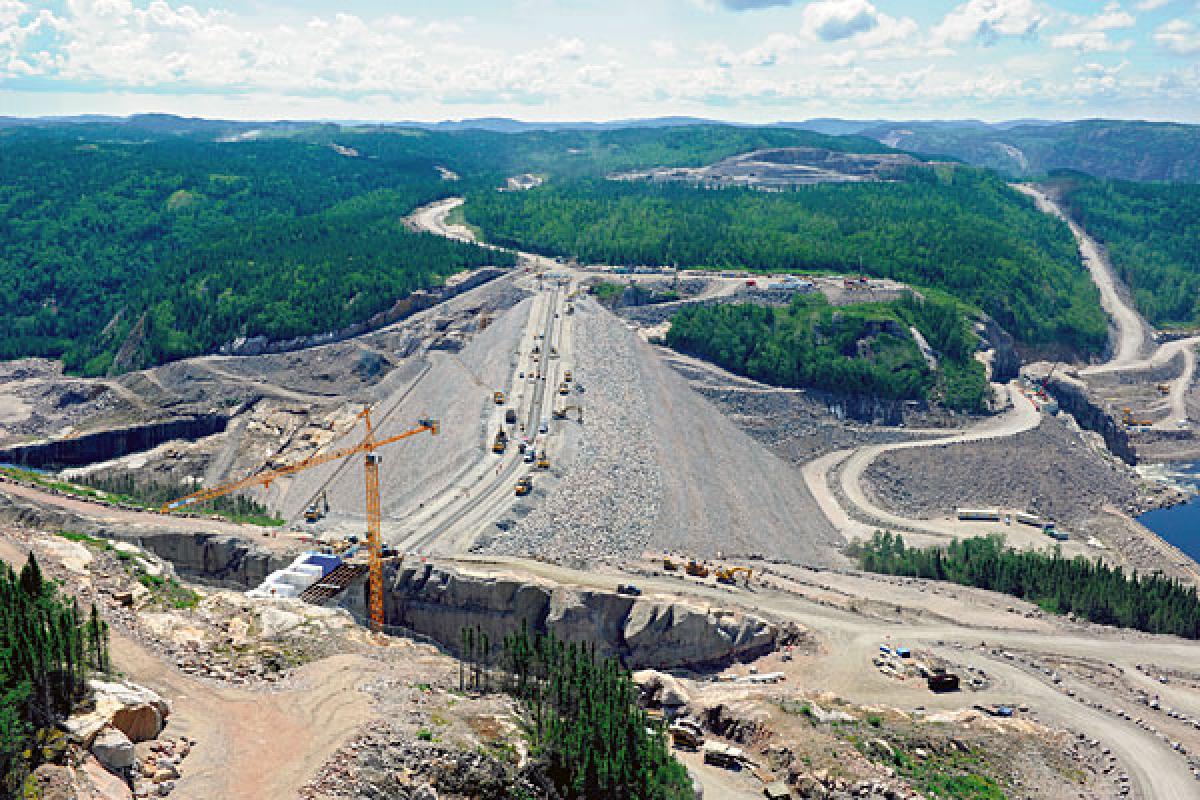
(561, 413)
(498, 398)
(567, 376)
(1164, 388)
(537, 349)
(1128, 420)
(554, 352)
(696, 569)
(723, 755)
(669, 565)
(728, 575)
(543, 461)
(371, 461)
(500, 443)
(524, 486)
(510, 417)
(563, 389)
(317, 509)
(685, 737)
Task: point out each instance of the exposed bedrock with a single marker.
(90, 448)
(439, 602)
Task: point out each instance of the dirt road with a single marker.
(1131, 334)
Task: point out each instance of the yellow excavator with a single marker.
(561, 413)
(696, 569)
(1128, 419)
(728, 575)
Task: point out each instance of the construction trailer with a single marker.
(942, 682)
(978, 514)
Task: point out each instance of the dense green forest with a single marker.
(954, 228)
(128, 244)
(47, 649)
(1090, 589)
(1152, 234)
(860, 349)
(185, 245)
(587, 728)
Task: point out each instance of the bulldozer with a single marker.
(696, 569)
(524, 486)
(728, 575)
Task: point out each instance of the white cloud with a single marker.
(1089, 42)
(986, 21)
(663, 49)
(1151, 5)
(832, 20)
(1180, 36)
(1112, 17)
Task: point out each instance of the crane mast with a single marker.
(371, 461)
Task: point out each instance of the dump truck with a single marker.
(500, 443)
(524, 486)
(498, 398)
(696, 569)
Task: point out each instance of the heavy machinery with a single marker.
(567, 376)
(371, 461)
(510, 417)
(524, 486)
(728, 575)
(563, 389)
(686, 738)
(669, 565)
(498, 398)
(1164, 388)
(561, 413)
(500, 443)
(543, 461)
(1128, 419)
(696, 569)
(317, 509)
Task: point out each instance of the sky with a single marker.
(743, 60)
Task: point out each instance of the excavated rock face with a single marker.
(439, 602)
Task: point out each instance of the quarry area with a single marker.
(780, 168)
(555, 465)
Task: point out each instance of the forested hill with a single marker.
(1152, 234)
(1127, 150)
(160, 238)
(953, 228)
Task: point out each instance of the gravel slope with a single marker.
(661, 468)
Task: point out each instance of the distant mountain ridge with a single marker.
(1124, 149)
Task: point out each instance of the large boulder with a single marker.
(103, 785)
(137, 712)
(113, 749)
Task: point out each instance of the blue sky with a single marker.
(746, 60)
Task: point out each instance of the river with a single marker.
(1180, 525)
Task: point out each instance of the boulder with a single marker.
(140, 723)
(103, 784)
(113, 749)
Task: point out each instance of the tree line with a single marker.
(957, 229)
(592, 737)
(48, 647)
(865, 348)
(1089, 589)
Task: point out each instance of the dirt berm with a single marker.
(439, 602)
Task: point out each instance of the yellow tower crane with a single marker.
(367, 446)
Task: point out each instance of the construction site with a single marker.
(512, 452)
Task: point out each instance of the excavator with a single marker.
(669, 565)
(561, 413)
(543, 460)
(498, 398)
(524, 486)
(728, 575)
(695, 569)
(1127, 419)
(500, 443)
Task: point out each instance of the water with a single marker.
(1179, 525)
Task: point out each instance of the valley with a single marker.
(620, 461)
